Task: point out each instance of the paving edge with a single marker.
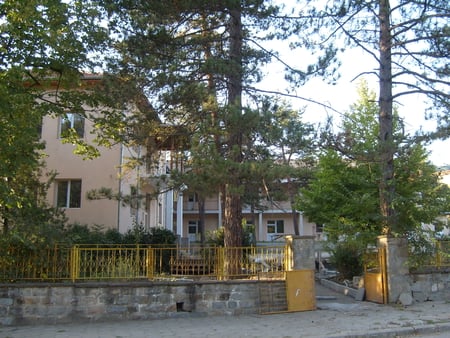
(399, 332)
(345, 290)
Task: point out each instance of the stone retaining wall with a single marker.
(34, 303)
(430, 286)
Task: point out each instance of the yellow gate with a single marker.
(300, 290)
(375, 277)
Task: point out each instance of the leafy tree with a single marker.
(409, 43)
(44, 45)
(344, 193)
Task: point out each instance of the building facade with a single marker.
(149, 203)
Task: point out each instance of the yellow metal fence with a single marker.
(441, 257)
(130, 262)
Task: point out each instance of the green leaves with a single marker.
(344, 193)
(44, 46)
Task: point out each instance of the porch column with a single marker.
(180, 214)
(302, 226)
(260, 227)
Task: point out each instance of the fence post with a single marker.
(301, 252)
(220, 254)
(150, 263)
(137, 264)
(397, 270)
(74, 263)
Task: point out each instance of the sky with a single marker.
(344, 93)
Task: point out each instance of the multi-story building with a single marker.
(150, 205)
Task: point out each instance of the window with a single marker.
(275, 227)
(68, 194)
(192, 198)
(72, 121)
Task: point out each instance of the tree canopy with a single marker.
(408, 41)
(186, 70)
(344, 192)
(44, 46)
(196, 62)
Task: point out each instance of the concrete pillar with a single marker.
(398, 280)
(301, 252)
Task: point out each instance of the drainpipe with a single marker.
(120, 186)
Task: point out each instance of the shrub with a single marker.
(216, 237)
(347, 257)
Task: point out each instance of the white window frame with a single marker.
(71, 118)
(276, 224)
(68, 194)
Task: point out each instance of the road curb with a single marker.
(406, 331)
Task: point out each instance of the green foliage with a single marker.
(139, 235)
(344, 198)
(344, 194)
(422, 250)
(42, 44)
(216, 237)
(83, 234)
(347, 257)
(194, 74)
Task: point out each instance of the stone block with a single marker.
(6, 320)
(406, 299)
(218, 305)
(360, 293)
(223, 296)
(419, 296)
(434, 287)
(6, 301)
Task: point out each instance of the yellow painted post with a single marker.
(220, 254)
(383, 270)
(287, 258)
(150, 263)
(137, 263)
(74, 263)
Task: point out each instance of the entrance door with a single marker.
(193, 231)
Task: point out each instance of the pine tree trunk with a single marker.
(201, 216)
(232, 234)
(292, 194)
(386, 185)
(233, 207)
